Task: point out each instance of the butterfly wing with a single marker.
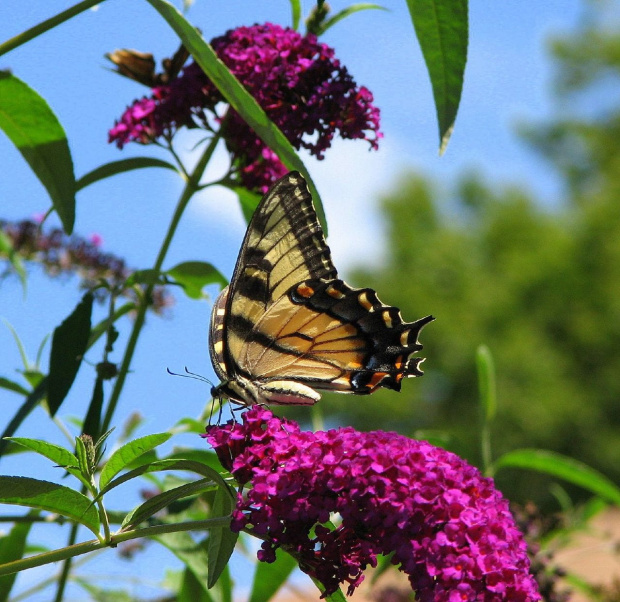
(283, 245)
(287, 326)
(330, 336)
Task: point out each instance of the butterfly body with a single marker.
(287, 327)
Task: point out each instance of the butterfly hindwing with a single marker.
(287, 326)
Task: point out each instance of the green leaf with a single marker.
(6, 249)
(162, 465)
(20, 346)
(44, 495)
(11, 385)
(57, 454)
(295, 13)
(33, 128)
(121, 166)
(193, 276)
(81, 453)
(563, 467)
(12, 547)
(442, 31)
(203, 456)
(92, 422)
(127, 453)
(31, 402)
(248, 200)
(269, 577)
(192, 590)
(335, 597)
(345, 12)
(236, 94)
(69, 344)
(222, 540)
(192, 554)
(486, 382)
(160, 501)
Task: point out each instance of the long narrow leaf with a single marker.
(192, 554)
(163, 465)
(269, 577)
(222, 540)
(31, 402)
(11, 385)
(192, 590)
(563, 467)
(57, 454)
(92, 422)
(44, 495)
(69, 344)
(12, 547)
(442, 31)
(128, 453)
(295, 13)
(346, 12)
(121, 166)
(32, 127)
(156, 503)
(486, 383)
(238, 97)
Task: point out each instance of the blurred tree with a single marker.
(539, 286)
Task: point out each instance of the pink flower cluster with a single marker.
(298, 81)
(446, 526)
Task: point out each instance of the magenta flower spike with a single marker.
(298, 82)
(446, 525)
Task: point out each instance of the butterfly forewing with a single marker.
(287, 326)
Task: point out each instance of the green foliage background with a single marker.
(540, 286)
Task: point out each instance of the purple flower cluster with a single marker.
(298, 81)
(60, 254)
(446, 526)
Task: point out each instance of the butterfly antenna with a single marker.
(189, 374)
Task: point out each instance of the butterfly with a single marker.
(286, 327)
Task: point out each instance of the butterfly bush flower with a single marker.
(61, 255)
(446, 525)
(298, 81)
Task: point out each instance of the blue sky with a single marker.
(507, 80)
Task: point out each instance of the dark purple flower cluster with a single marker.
(60, 254)
(446, 526)
(298, 81)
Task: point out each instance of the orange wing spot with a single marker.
(334, 292)
(377, 377)
(353, 365)
(303, 290)
(398, 364)
(364, 302)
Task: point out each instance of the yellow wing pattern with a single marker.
(287, 326)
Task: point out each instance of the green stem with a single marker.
(94, 544)
(46, 25)
(191, 187)
(38, 587)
